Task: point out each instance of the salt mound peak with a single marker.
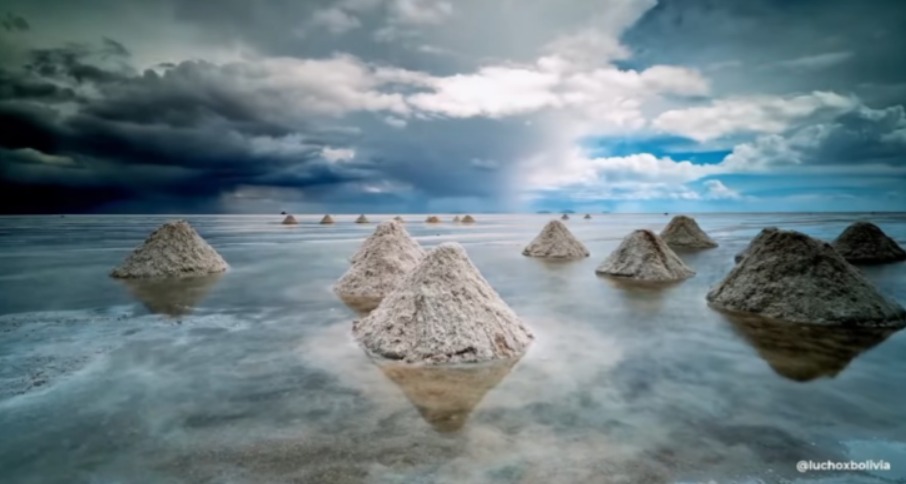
(445, 396)
(362, 219)
(432, 219)
(556, 242)
(564, 217)
(865, 243)
(468, 219)
(755, 241)
(326, 220)
(173, 250)
(379, 266)
(645, 257)
(456, 219)
(443, 311)
(290, 220)
(684, 232)
(587, 216)
(792, 277)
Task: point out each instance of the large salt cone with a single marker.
(445, 396)
(643, 257)
(173, 250)
(792, 277)
(755, 241)
(806, 352)
(174, 297)
(443, 311)
(865, 243)
(684, 233)
(556, 242)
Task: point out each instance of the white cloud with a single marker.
(755, 114)
(717, 190)
(335, 155)
(336, 20)
(290, 145)
(395, 122)
(34, 156)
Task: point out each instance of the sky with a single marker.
(402, 106)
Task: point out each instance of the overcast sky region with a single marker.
(242, 106)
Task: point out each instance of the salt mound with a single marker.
(443, 311)
(290, 220)
(456, 219)
(432, 220)
(379, 266)
(587, 216)
(755, 241)
(361, 220)
(866, 243)
(468, 219)
(806, 352)
(792, 277)
(684, 232)
(644, 257)
(445, 396)
(564, 217)
(173, 250)
(327, 220)
(399, 219)
(556, 242)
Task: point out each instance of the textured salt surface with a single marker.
(173, 250)
(755, 241)
(684, 232)
(792, 277)
(865, 243)
(443, 311)
(327, 219)
(290, 220)
(446, 395)
(379, 266)
(556, 242)
(643, 256)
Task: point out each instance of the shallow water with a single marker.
(254, 376)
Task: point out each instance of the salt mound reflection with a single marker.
(174, 297)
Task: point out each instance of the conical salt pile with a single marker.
(587, 216)
(443, 311)
(684, 232)
(290, 220)
(399, 219)
(327, 220)
(456, 219)
(173, 250)
(866, 243)
(564, 217)
(432, 220)
(445, 396)
(556, 242)
(379, 265)
(361, 220)
(644, 257)
(757, 240)
(468, 219)
(792, 277)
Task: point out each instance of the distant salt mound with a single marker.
(468, 219)
(361, 220)
(432, 220)
(173, 250)
(644, 257)
(443, 311)
(379, 266)
(326, 220)
(445, 396)
(290, 220)
(866, 243)
(564, 217)
(556, 242)
(792, 277)
(587, 216)
(399, 219)
(456, 219)
(757, 240)
(684, 232)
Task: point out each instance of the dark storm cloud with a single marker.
(13, 23)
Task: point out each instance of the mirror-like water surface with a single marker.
(254, 376)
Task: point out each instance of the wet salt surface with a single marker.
(261, 381)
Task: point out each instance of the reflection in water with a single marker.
(174, 297)
(805, 352)
(642, 295)
(446, 395)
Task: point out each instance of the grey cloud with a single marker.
(14, 23)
